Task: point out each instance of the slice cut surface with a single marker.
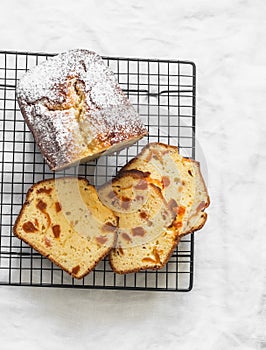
(64, 220)
(179, 178)
(146, 236)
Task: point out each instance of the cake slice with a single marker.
(64, 220)
(179, 178)
(146, 237)
(76, 110)
(181, 188)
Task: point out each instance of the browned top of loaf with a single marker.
(75, 91)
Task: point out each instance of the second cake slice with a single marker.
(146, 237)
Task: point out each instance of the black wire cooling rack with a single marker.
(163, 92)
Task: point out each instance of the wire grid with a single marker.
(163, 92)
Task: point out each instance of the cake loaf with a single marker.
(65, 221)
(76, 110)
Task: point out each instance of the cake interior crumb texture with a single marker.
(159, 196)
(64, 220)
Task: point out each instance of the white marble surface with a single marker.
(227, 306)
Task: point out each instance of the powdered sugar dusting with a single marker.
(73, 100)
(49, 77)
